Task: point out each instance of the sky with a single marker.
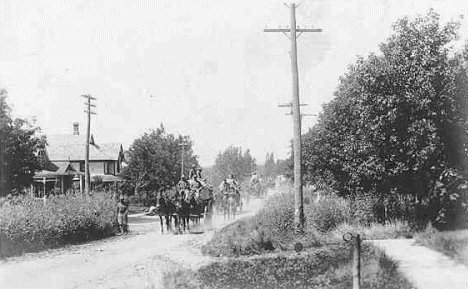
(202, 68)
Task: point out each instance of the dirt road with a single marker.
(137, 260)
(424, 267)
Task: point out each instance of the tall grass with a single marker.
(325, 261)
(28, 224)
(325, 267)
(327, 216)
(451, 243)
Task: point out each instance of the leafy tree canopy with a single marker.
(270, 165)
(154, 160)
(19, 146)
(398, 122)
(232, 161)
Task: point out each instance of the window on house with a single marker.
(82, 166)
(109, 167)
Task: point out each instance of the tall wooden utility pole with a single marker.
(298, 196)
(88, 129)
(3, 188)
(182, 157)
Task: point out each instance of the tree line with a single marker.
(233, 160)
(397, 126)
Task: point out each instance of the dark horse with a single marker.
(201, 204)
(165, 208)
(182, 210)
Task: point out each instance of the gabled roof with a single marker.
(72, 147)
(58, 169)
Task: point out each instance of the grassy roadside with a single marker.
(29, 225)
(258, 251)
(454, 244)
(322, 268)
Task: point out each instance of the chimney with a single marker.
(76, 130)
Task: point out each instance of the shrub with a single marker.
(27, 224)
(277, 216)
(451, 243)
(326, 213)
(375, 231)
(326, 267)
(283, 270)
(243, 237)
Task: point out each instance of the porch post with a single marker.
(44, 182)
(62, 185)
(81, 184)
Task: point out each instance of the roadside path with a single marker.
(137, 260)
(424, 267)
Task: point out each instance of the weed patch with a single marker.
(326, 267)
(29, 225)
(451, 243)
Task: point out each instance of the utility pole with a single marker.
(183, 144)
(2, 152)
(88, 129)
(298, 195)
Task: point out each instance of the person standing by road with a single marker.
(122, 216)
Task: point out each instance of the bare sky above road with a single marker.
(213, 72)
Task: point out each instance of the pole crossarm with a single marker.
(303, 114)
(290, 105)
(286, 30)
(88, 96)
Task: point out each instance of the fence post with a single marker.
(356, 239)
(357, 262)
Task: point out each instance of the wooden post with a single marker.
(88, 129)
(298, 195)
(183, 144)
(44, 182)
(81, 184)
(357, 262)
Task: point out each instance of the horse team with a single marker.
(193, 205)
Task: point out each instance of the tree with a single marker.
(397, 124)
(269, 169)
(19, 146)
(155, 160)
(281, 167)
(232, 161)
